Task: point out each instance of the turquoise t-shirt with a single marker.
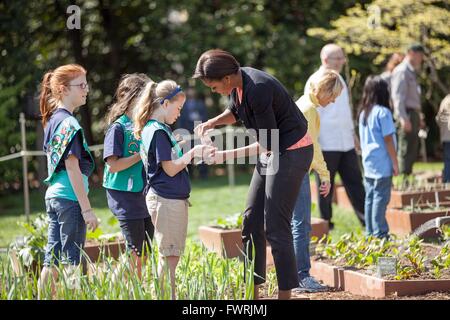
(376, 161)
(61, 186)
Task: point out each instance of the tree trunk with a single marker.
(111, 34)
(76, 42)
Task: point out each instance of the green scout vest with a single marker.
(130, 179)
(147, 136)
(61, 138)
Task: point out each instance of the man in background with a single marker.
(337, 138)
(405, 95)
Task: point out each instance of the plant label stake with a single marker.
(386, 266)
(436, 197)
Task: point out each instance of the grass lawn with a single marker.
(211, 199)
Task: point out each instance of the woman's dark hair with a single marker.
(215, 64)
(376, 91)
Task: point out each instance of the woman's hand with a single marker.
(324, 188)
(219, 157)
(209, 154)
(203, 128)
(205, 152)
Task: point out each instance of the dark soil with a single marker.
(334, 294)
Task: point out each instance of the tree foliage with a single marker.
(370, 33)
(162, 39)
(381, 28)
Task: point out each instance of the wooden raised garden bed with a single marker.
(96, 250)
(330, 275)
(409, 266)
(359, 283)
(228, 242)
(319, 228)
(401, 199)
(403, 222)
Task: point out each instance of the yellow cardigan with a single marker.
(307, 104)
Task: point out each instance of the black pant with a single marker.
(346, 164)
(408, 143)
(137, 232)
(271, 201)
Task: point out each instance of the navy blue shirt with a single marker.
(177, 187)
(123, 204)
(75, 146)
(266, 104)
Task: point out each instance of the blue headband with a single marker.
(172, 94)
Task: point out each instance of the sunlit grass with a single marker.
(200, 275)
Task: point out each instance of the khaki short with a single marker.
(170, 218)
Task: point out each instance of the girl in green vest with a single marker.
(69, 163)
(168, 186)
(123, 176)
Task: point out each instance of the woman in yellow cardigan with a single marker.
(322, 93)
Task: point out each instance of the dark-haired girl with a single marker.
(285, 152)
(123, 177)
(378, 144)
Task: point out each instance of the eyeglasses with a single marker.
(81, 85)
(338, 58)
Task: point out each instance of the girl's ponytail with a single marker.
(144, 107)
(46, 102)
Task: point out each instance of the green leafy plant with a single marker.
(231, 222)
(441, 261)
(361, 252)
(32, 247)
(100, 236)
(414, 255)
(445, 231)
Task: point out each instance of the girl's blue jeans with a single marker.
(301, 228)
(378, 194)
(66, 232)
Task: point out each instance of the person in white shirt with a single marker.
(337, 138)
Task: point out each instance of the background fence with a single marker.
(25, 154)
